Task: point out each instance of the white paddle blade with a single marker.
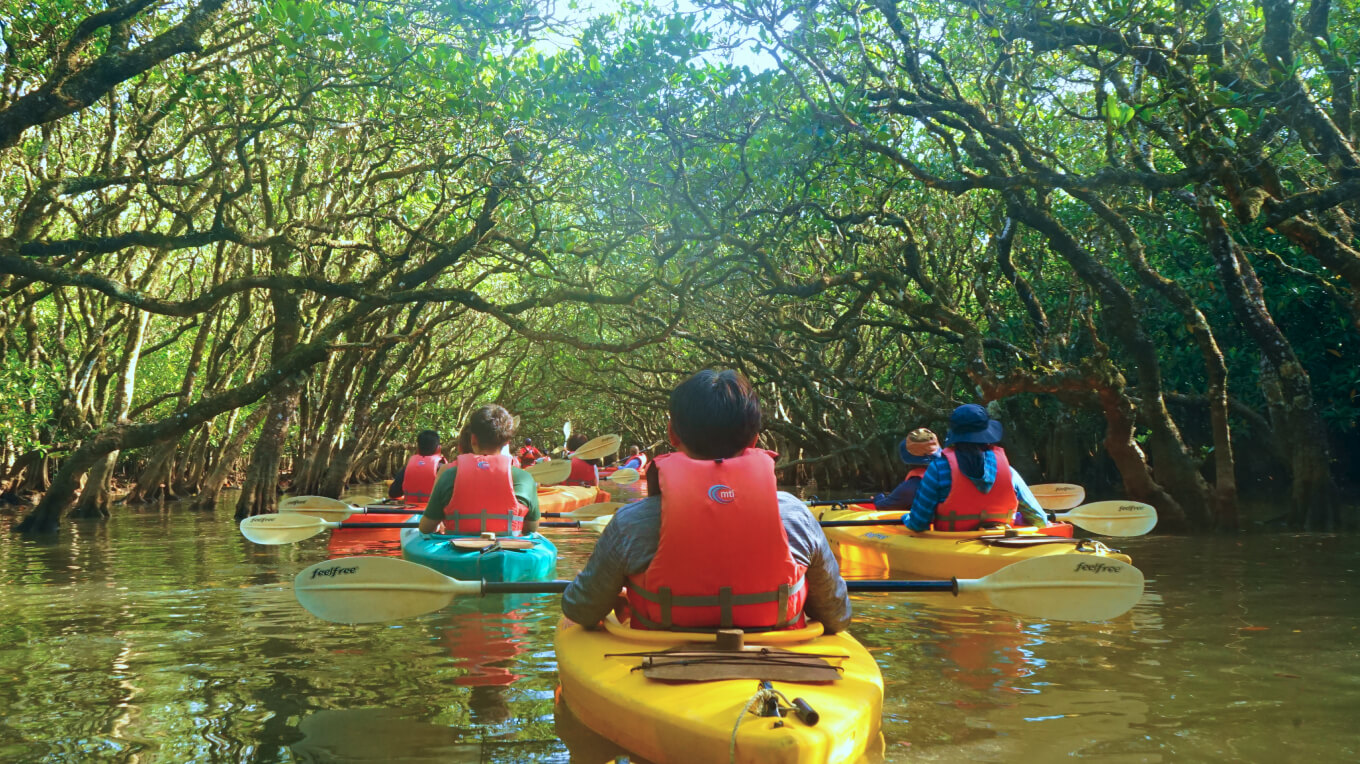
(361, 500)
(598, 524)
(1063, 587)
(599, 447)
(1055, 496)
(294, 503)
(549, 473)
(625, 476)
(338, 513)
(1113, 518)
(373, 589)
(284, 528)
(593, 510)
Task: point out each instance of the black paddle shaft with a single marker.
(553, 587)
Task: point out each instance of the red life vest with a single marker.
(914, 472)
(484, 497)
(582, 473)
(966, 508)
(418, 478)
(723, 558)
(528, 455)
(639, 458)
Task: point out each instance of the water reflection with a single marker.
(379, 735)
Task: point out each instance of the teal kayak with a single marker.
(470, 558)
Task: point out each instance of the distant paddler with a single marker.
(971, 484)
(636, 459)
(484, 490)
(528, 453)
(916, 451)
(415, 479)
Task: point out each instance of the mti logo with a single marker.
(722, 494)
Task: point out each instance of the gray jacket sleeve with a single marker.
(827, 599)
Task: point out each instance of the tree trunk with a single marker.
(217, 476)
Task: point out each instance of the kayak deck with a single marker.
(566, 498)
(935, 554)
(667, 721)
(436, 550)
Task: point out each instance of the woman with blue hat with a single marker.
(971, 484)
(916, 450)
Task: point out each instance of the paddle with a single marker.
(590, 510)
(566, 435)
(373, 589)
(550, 472)
(601, 446)
(1106, 518)
(816, 502)
(293, 527)
(1058, 495)
(1113, 518)
(624, 476)
(327, 508)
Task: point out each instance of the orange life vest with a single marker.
(641, 460)
(418, 478)
(723, 558)
(966, 508)
(484, 496)
(915, 472)
(582, 473)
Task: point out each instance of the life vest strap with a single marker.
(724, 601)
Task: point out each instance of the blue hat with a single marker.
(970, 424)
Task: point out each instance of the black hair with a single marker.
(427, 442)
(492, 425)
(577, 440)
(715, 414)
(465, 441)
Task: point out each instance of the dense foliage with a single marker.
(276, 239)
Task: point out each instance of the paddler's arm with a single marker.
(626, 546)
(526, 490)
(901, 496)
(1028, 505)
(827, 599)
(395, 491)
(934, 488)
(439, 498)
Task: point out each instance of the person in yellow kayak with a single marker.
(916, 450)
(414, 480)
(716, 544)
(971, 484)
(583, 473)
(484, 489)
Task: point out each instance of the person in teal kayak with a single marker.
(484, 489)
(971, 484)
(715, 544)
(916, 450)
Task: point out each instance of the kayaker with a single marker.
(583, 472)
(484, 490)
(971, 483)
(714, 525)
(916, 450)
(636, 459)
(415, 479)
(528, 453)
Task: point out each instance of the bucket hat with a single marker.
(970, 424)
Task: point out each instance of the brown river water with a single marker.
(164, 636)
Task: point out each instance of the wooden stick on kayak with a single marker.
(550, 472)
(589, 510)
(293, 527)
(1053, 496)
(373, 589)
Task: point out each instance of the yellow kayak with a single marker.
(566, 498)
(878, 549)
(692, 719)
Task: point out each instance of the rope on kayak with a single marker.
(765, 694)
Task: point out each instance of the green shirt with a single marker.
(526, 490)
